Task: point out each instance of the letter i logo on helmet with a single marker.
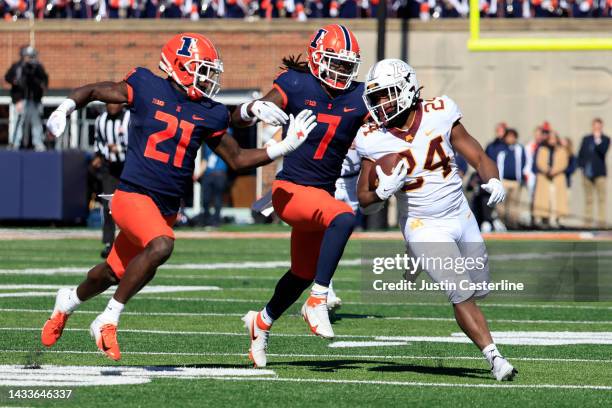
(333, 56)
(192, 61)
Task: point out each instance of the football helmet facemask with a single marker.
(333, 56)
(391, 88)
(193, 62)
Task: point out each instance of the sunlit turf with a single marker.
(203, 329)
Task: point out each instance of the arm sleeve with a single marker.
(581, 154)
(137, 79)
(10, 75)
(602, 148)
(286, 83)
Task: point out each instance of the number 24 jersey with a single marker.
(433, 186)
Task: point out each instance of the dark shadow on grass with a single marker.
(339, 316)
(328, 366)
(448, 371)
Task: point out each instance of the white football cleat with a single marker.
(502, 369)
(259, 338)
(316, 315)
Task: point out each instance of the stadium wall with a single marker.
(521, 88)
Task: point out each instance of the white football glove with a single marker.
(390, 184)
(497, 191)
(269, 113)
(299, 128)
(56, 124)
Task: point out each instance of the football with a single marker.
(386, 163)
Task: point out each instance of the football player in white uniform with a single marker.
(435, 218)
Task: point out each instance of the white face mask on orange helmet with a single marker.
(333, 56)
(192, 61)
(391, 88)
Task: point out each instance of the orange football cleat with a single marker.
(53, 328)
(106, 338)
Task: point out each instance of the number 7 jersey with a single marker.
(433, 186)
(318, 162)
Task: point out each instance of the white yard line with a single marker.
(182, 333)
(186, 314)
(146, 289)
(318, 356)
(426, 384)
(203, 314)
(285, 263)
(373, 303)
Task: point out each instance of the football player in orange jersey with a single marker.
(170, 118)
(303, 192)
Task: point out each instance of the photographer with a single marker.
(28, 81)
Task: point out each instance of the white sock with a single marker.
(331, 294)
(491, 352)
(265, 317)
(112, 312)
(73, 301)
(319, 290)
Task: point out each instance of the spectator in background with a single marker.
(497, 144)
(488, 216)
(573, 160)
(592, 161)
(511, 164)
(213, 179)
(540, 135)
(462, 165)
(29, 82)
(550, 199)
(111, 140)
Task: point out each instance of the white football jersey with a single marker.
(433, 186)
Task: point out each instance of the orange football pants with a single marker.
(309, 210)
(140, 222)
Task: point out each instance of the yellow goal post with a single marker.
(476, 43)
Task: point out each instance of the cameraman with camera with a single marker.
(29, 81)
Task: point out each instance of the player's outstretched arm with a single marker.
(267, 109)
(236, 157)
(109, 92)
(469, 148)
(241, 159)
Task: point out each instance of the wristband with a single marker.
(244, 113)
(67, 106)
(276, 150)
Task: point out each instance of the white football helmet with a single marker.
(391, 88)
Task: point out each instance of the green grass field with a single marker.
(182, 332)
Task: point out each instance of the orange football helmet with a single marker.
(333, 56)
(192, 61)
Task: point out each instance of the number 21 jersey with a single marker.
(166, 130)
